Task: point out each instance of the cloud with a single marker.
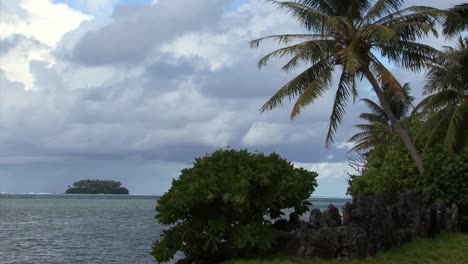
(138, 96)
(30, 30)
(332, 177)
(39, 19)
(137, 29)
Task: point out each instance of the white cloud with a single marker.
(43, 20)
(264, 134)
(345, 145)
(96, 6)
(43, 23)
(328, 171)
(212, 49)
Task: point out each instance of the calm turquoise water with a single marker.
(39, 229)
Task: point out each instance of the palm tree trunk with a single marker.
(394, 122)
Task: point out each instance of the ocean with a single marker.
(56, 228)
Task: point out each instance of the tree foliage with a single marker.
(377, 122)
(446, 106)
(216, 208)
(389, 168)
(350, 36)
(446, 179)
(97, 187)
(456, 20)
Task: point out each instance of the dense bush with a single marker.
(216, 208)
(445, 179)
(389, 168)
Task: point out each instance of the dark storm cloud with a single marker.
(136, 29)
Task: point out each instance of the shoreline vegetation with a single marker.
(445, 248)
(97, 187)
(409, 162)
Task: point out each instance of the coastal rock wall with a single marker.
(366, 226)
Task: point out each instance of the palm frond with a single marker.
(285, 39)
(346, 85)
(313, 91)
(421, 107)
(434, 128)
(317, 76)
(374, 118)
(350, 57)
(381, 8)
(409, 55)
(360, 136)
(456, 20)
(339, 24)
(440, 100)
(373, 106)
(456, 125)
(388, 80)
(412, 14)
(376, 33)
(312, 50)
(366, 127)
(363, 146)
(312, 18)
(323, 6)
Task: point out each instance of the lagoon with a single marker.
(57, 228)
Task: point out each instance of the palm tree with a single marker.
(378, 122)
(456, 19)
(350, 35)
(446, 106)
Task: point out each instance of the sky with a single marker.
(135, 90)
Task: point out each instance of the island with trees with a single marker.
(97, 187)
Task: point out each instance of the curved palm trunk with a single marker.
(394, 122)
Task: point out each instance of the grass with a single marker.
(447, 248)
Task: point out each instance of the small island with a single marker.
(97, 187)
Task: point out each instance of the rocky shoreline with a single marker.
(366, 226)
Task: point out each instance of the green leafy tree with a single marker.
(377, 120)
(216, 208)
(446, 106)
(389, 168)
(349, 36)
(446, 180)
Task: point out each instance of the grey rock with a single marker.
(331, 217)
(369, 225)
(371, 214)
(314, 218)
(281, 224)
(288, 243)
(409, 213)
(346, 213)
(454, 219)
(354, 243)
(323, 243)
(294, 222)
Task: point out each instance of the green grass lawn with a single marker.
(447, 248)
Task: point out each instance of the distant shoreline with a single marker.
(158, 195)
